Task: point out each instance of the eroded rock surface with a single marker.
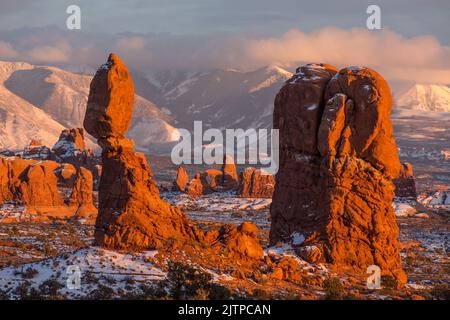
(47, 188)
(337, 161)
(181, 181)
(254, 183)
(131, 213)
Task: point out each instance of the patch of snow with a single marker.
(297, 238)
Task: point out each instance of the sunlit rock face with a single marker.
(337, 161)
(131, 213)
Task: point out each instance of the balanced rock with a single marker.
(337, 161)
(405, 185)
(255, 183)
(131, 212)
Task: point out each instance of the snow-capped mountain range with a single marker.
(39, 101)
(426, 97)
(237, 99)
(222, 98)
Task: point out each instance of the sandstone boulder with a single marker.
(195, 187)
(242, 241)
(205, 182)
(110, 103)
(337, 161)
(82, 193)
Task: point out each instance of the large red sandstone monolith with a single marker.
(337, 161)
(131, 213)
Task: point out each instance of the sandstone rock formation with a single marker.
(337, 161)
(229, 178)
(181, 181)
(254, 183)
(131, 213)
(206, 182)
(82, 193)
(39, 185)
(242, 241)
(36, 150)
(46, 188)
(195, 187)
(70, 147)
(405, 185)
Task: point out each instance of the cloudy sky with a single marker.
(201, 34)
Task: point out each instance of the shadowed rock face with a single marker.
(254, 183)
(131, 213)
(337, 161)
(405, 185)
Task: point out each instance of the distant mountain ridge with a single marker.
(222, 98)
(426, 97)
(40, 101)
(59, 99)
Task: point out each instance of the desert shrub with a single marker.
(389, 282)
(260, 294)
(187, 282)
(334, 290)
(29, 273)
(218, 292)
(25, 292)
(101, 293)
(440, 292)
(150, 292)
(50, 288)
(236, 215)
(4, 295)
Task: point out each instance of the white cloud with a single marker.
(7, 50)
(420, 59)
(50, 54)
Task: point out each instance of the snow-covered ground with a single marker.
(222, 207)
(405, 209)
(439, 199)
(92, 266)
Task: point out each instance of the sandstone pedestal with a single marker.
(131, 213)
